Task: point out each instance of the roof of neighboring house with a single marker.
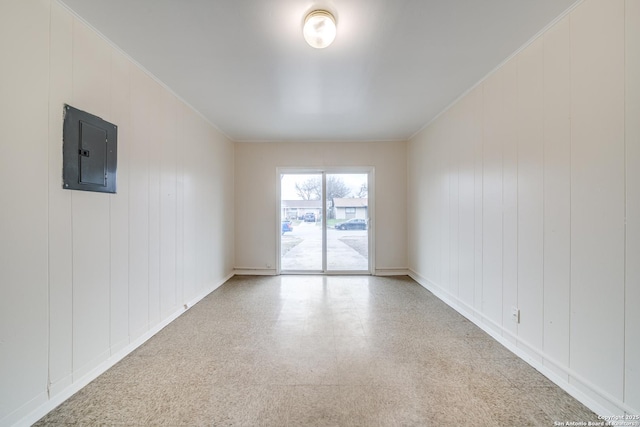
(351, 203)
(302, 204)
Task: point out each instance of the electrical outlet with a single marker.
(515, 314)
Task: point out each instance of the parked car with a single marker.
(286, 226)
(352, 224)
(309, 217)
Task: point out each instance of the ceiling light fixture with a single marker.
(319, 29)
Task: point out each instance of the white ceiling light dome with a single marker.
(319, 29)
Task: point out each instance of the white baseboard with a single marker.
(596, 399)
(392, 272)
(255, 271)
(273, 272)
(30, 413)
(21, 416)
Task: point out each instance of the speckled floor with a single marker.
(320, 351)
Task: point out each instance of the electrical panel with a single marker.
(90, 152)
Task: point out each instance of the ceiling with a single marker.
(244, 65)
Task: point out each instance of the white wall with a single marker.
(632, 183)
(518, 196)
(85, 277)
(257, 207)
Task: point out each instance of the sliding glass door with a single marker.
(347, 228)
(325, 219)
(301, 235)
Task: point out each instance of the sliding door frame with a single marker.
(370, 171)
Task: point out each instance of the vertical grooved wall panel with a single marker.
(477, 120)
(492, 198)
(632, 279)
(530, 195)
(153, 134)
(168, 204)
(60, 245)
(88, 276)
(454, 147)
(510, 196)
(90, 213)
(557, 194)
(444, 206)
(597, 193)
(557, 156)
(139, 253)
(24, 88)
(466, 195)
(119, 207)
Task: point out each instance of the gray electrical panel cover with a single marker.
(90, 152)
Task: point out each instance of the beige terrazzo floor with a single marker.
(320, 351)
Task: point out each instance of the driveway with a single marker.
(307, 255)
